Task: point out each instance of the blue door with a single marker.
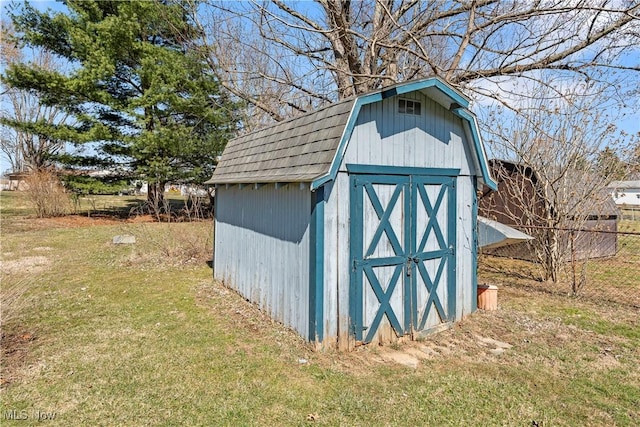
(402, 234)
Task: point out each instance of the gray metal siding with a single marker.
(262, 248)
(435, 139)
(464, 250)
(337, 262)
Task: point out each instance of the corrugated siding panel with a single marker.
(262, 249)
(592, 244)
(464, 255)
(331, 263)
(435, 139)
(337, 262)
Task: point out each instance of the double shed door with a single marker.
(403, 233)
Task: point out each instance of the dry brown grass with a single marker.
(111, 333)
(12, 293)
(163, 245)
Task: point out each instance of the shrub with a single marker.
(47, 194)
(171, 244)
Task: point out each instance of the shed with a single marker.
(356, 223)
(593, 230)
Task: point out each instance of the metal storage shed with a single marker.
(356, 223)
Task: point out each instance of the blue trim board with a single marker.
(316, 266)
(399, 170)
(480, 153)
(459, 106)
(474, 249)
(355, 253)
(409, 281)
(452, 231)
(412, 86)
(346, 135)
(213, 230)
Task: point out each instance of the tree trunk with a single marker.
(553, 262)
(155, 198)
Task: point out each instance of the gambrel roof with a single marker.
(296, 150)
(309, 148)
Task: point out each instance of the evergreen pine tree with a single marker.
(140, 100)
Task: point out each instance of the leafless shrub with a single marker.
(551, 177)
(171, 244)
(47, 194)
(196, 208)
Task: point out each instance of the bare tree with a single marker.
(284, 57)
(23, 146)
(552, 183)
(548, 69)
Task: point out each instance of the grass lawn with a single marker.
(615, 278)
(104, 334)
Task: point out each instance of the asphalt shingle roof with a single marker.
(296, 150)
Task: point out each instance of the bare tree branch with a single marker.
(23, 147)
(307, 54)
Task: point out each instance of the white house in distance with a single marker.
(626, 193)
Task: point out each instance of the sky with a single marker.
(629, 119)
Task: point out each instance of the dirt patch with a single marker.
(467, 340)
(141, 219)
(73, 221)
(14, 350)
(506, 336)
(26, 265)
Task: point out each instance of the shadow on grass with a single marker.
(173, 208)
